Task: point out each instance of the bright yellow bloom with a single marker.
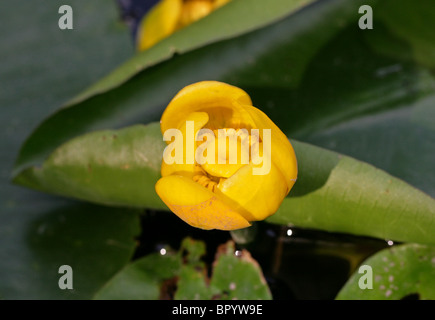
(220, 195)
(168, 16)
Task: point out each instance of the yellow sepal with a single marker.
(160, 22)
(260, 195)
(197, 205)
(220, 100)
(283, 155)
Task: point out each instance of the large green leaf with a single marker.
(117, 167)
(207, 30)
(333, 192)
(339, 193)
(41, 68)
(314, 72)
(411, 27)
(396, 273)
(400, 141)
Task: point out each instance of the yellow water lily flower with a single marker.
(219, 193)
(167, 16)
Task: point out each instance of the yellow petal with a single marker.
(218, 99)
(199, 120)
(222, 170)
(197, 205)
(221, 167)
(283, 155)
(219, 3)
(260, 195)
(160, 22)
(194, 10)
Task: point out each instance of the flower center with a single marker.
(225, 151)
(203, 178)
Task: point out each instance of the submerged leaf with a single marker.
(233, 277)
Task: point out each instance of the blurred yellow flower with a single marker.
(233, 165)
(167, 16)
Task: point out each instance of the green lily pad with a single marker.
(237, 275)
(396, 273)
